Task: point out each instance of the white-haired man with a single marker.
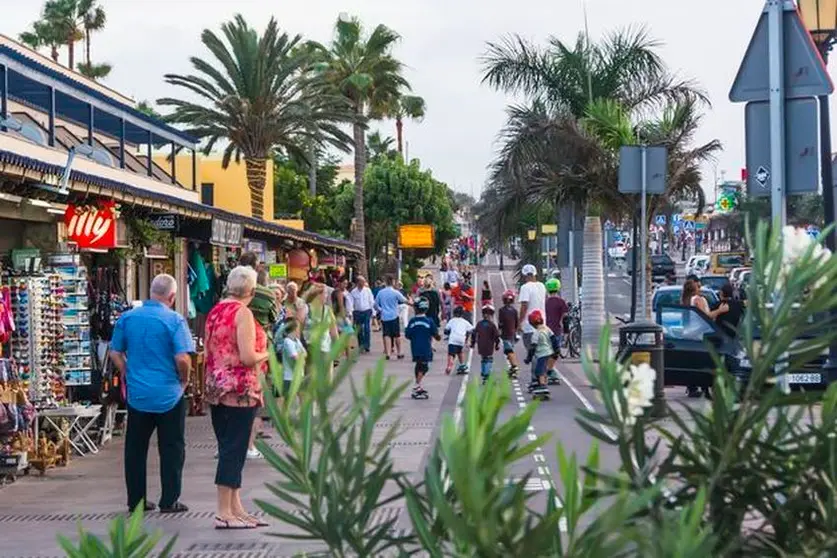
(151, 347)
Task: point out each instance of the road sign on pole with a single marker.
(801, 147)
(630, 169)
(804, 72)
(660, 220)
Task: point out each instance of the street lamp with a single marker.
(820, 19)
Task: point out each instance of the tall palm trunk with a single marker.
(71, 53)
(399, 134)
(593, 301)
(312, 170)
(256, 179)
(54, 53)
(87, 46)
(360, 167)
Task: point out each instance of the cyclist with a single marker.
(556, 309)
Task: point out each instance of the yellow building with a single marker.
(227, 188)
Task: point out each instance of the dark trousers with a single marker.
(363, 323)
(232, 427)
(171, 442)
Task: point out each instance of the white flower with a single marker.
(638, 390)
(795, 244)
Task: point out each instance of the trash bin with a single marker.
(642, 342)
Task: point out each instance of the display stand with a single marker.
(80, 420)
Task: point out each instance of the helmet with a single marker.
(422, 305)
(488, 308)
(556, 273)
(528, 269)
(535, 318)
(553, 285)
(508, 296)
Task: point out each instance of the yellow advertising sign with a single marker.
(416, 236)
(549, 229)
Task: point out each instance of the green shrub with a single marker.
(128, 539)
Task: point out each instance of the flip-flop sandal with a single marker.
(400, 357)
(253, 520)
(232, 524)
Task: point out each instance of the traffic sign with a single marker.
(689, 225)
(630, 169)
(661, 220)
(805, 73)
(608, 225)
(801, 147)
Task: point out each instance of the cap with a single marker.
(553, 285)
(508, 295)
(528, 269)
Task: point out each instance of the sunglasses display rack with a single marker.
(37, 343)
(76, 322)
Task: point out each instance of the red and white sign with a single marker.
(91, 226)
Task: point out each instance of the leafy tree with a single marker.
(44, 34)
(67, 22)
(363, 69)
(258, 96)
(398, 193)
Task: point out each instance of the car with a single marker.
(692, 264)
(735, 276)
(723, 262)
(618, 250)
(661, 266)
(669, 295)
(690, 338)
(714, 282)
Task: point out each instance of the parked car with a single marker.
(661, 266)
(692, 264)
(618, 250)
(688, 335)
(722, 263)
(714, 282)
(669, 295)
(735, 276)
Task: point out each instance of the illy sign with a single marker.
(91, 226)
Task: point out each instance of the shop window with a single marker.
(208, 193)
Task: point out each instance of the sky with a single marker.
(442, 41)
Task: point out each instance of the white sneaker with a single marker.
(254, 454)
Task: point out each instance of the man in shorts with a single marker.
(387, 302)
(532, 297)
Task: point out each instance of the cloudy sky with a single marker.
(442, 41)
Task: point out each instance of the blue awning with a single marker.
(30, 83)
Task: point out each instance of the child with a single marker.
(540, 351)
(487, 339)
(485, 297)
(457, 331)
(420, 332)
(556, 309)
(447, 303)
(509, 321)
(292, 352)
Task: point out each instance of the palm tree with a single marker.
(378, 146)
(401, 107)
(64, 15)
(44, 34)
(258, 97)
(94, 71)
(93, 18)
(362, 68)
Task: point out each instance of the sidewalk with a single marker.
(90, 492)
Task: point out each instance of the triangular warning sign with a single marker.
(805, 72)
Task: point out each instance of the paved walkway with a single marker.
(90, 492)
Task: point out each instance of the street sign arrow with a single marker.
(805, 72)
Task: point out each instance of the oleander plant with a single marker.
(752, 472)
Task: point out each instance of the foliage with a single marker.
(336, 467)
(148, 109)
(378, 146)
(257, 94)
(65, 22)
(128, 539)
(397, 193)
(94, 71)
(141, 235)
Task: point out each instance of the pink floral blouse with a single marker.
(228, 381)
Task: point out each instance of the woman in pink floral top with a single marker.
(236, 355)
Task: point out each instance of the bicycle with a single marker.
(571, 341)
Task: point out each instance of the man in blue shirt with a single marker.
(387, 302)
(151, 347)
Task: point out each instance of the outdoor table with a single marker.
(81, 420)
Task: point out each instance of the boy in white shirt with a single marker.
(457, 331)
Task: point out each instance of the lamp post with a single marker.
(820, 19)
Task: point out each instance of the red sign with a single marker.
(91, 226)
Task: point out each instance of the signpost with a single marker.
(782, 67)
(643, 170)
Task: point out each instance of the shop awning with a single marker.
(31, 169)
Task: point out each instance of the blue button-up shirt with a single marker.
(151, 336)
(387, 302)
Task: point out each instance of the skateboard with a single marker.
(461, 370)
(420, 394)
(512, 373)
(554, 381)
(541, 394)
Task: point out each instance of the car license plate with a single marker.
(812, 378)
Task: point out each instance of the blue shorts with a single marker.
(539, 366)
(556, 343)
(508, 346)
(454, 350)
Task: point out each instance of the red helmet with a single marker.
(508, 296)
(536, 318)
